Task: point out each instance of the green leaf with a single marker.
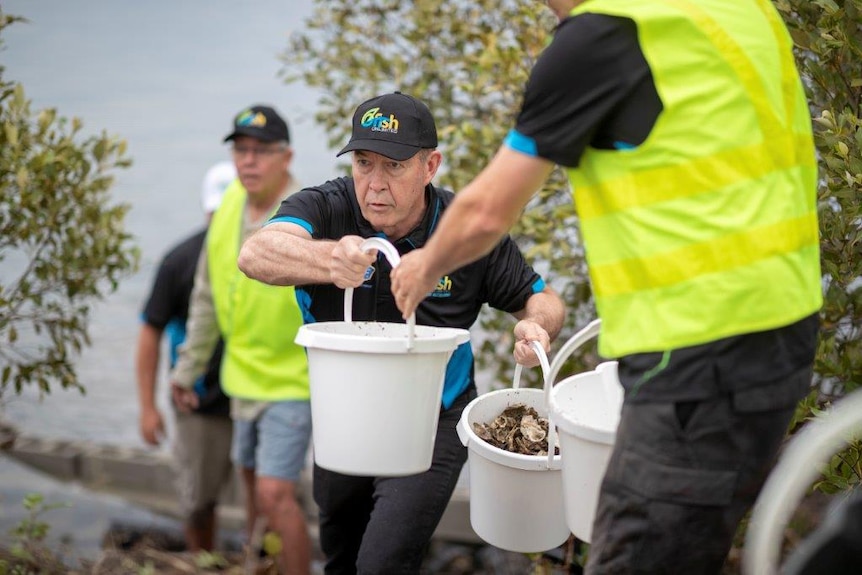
(11, 131)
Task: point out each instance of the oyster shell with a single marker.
(518, 429)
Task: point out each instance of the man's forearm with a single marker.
(480, 215)
(485, 210)
(276, 255)
(547, 309)
(146, 365)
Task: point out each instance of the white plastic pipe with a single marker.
(799, 466)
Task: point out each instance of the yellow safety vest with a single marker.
(258, 322)
(709, 228)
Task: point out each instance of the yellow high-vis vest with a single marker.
(709, 228)
(258, 322)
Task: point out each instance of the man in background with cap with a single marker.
(383, 525)
(263, 371)
(201, 447)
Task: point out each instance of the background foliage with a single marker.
(62, 242)
(828, 39)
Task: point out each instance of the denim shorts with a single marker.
(275, 443)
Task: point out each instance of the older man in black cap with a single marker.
(383, 524)
(263, 371)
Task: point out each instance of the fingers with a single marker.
(349, 263)
(152, 427)
(525, 354)
(411, 283)
(526, 332)
(186, 400)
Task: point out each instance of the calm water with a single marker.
(168, 77)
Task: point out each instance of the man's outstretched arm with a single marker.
(478, 218)
(285, 254)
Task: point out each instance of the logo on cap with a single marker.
(249, 118)
(375, 120)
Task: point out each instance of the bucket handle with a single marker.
(568, 348)
(516, 383)
(394, 259)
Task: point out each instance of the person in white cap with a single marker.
(216, 181)
(201, 447)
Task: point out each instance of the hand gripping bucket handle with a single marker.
(394, 259)
(516, 383)
(549, 373)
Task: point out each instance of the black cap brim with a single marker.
(392, 150)
(252, 132)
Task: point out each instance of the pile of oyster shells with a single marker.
(518, 429)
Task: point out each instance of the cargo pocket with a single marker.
(660, 482)
(775, 396)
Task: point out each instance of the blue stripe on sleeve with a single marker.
(538, 285)
(521, 143)
(291, 220)
(303, 300)
(176, 332)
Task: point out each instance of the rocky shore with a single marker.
(115, 514)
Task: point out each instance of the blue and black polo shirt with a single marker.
(167, 309)
(502, 279)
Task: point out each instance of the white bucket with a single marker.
(515, 500)
(376, 389)
(586, 410)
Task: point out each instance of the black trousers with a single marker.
(382, 525)
(682, 475)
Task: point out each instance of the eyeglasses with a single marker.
(257, 151)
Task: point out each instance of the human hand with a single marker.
(349, 262)
(527, 331)
(412, 282)
(152, 426)
(184, 398)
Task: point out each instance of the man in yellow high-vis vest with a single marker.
(263, 371)
(687, 138)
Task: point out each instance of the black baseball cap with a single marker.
(394, 125)
(261, 123)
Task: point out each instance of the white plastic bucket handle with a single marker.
(551, 372)
(516, 383)
(394, 259)
(576, 341)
